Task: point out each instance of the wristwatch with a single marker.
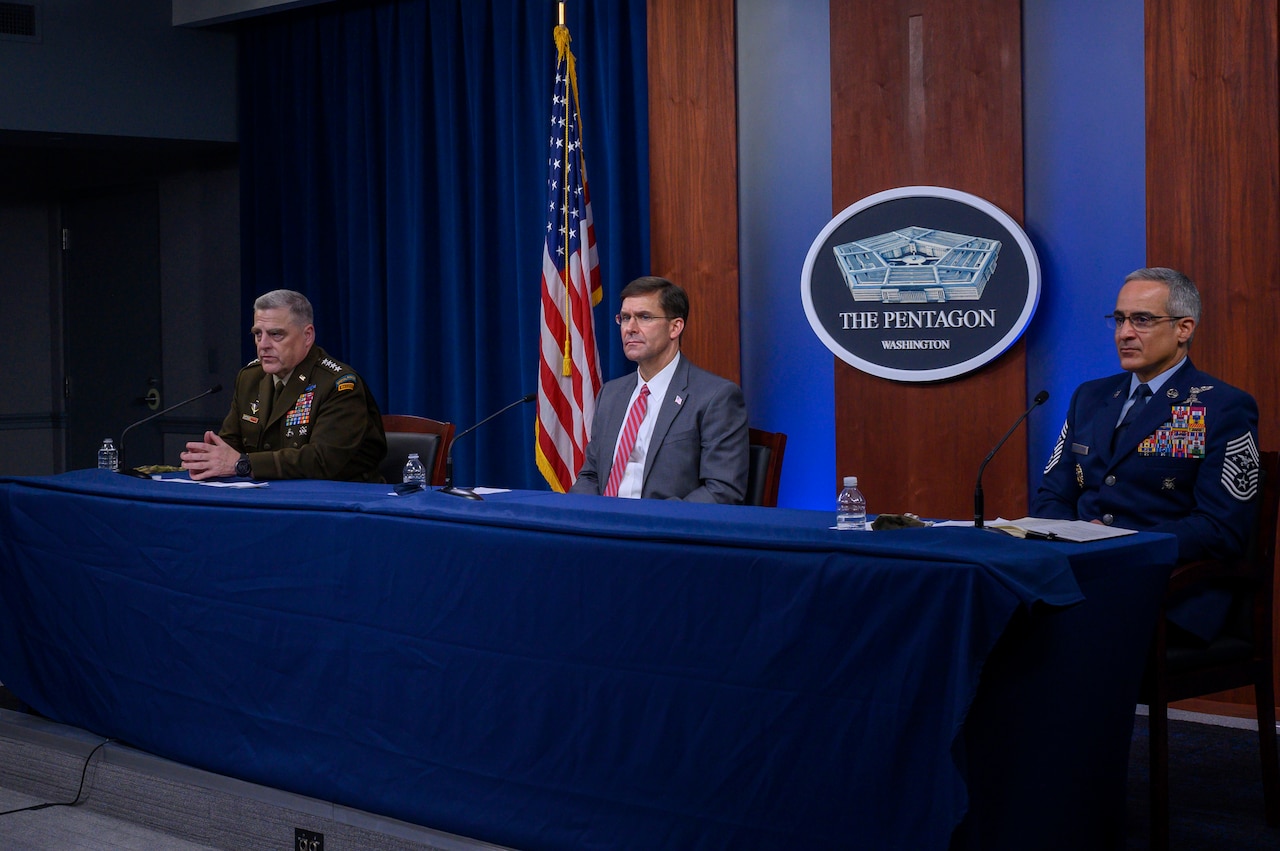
(243, 468)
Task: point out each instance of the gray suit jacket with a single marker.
(698, 451)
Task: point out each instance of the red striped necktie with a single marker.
(627, 442)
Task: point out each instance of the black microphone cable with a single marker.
(84, 771)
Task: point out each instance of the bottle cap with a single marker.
(851, 481)
(413, 456)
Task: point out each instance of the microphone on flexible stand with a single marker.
(217, 388)
(1040, 399)
(467, 493)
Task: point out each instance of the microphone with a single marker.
(1040, 399)
(467, 493)
(217, 388)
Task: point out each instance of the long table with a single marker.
(551, 671)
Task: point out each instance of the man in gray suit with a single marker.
(672, 430)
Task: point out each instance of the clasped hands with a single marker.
(210, 459)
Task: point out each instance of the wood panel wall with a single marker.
(1213, 184)
(693, 171)
(929, 92)
(1213, 181)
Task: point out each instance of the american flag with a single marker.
(569, 368)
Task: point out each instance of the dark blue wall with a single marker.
(784, 150)
(1085, 149)
(119, 69)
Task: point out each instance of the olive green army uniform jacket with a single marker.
(322, 424)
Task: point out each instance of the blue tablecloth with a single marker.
(539, 670)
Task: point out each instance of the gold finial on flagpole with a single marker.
(561, 4)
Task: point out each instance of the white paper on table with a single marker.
(249, 484)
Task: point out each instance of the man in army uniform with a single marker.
(296, 413)
(1161, 447)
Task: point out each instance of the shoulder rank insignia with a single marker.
(1056, 456)
(1240, 468)
(330, 363)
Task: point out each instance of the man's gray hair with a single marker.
(295, 302)
(1184, 298)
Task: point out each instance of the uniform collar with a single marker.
(1159, 381)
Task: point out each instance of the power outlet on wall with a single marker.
(307, 840)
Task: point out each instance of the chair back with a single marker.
(764, 470)
(1250, 619)
(405, 434)
(1262, 549)
(1242, 655)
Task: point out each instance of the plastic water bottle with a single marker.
(851, 506)
(108, 458)
(414, 472)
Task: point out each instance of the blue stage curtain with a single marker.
(393, 168)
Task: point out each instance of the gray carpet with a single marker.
(62, 828)
(34, 772)
(1215, 790)
(134, 800)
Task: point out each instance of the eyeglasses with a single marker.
(1139, 321)
(642, 318)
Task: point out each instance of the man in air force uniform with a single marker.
(1162, 447)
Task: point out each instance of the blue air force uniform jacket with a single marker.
(1187, 466)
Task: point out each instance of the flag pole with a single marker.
(562, 46)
